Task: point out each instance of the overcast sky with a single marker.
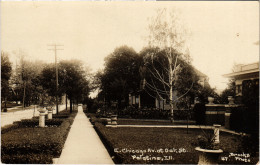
(222, 33)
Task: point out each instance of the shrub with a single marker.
(101, 131)
(27, 158)
(239, 119)
(104, 121)
(135, 113)
(35, 145)
(94, 119)
(9, 128)
(35, 122)
(207, 140)
(61, 116)
(64, 112)
(32, 140)
(199, 113)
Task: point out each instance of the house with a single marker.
(244, 73)
(203, 79)
(144, 99)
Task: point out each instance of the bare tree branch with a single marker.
(185, 92)
(161, 80)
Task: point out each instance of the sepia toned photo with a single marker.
(134, 82)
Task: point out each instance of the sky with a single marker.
(221, 33)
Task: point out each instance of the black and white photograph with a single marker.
(129, 82)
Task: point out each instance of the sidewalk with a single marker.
(223, 129)
(83, 145)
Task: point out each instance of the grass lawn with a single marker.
(166, 145)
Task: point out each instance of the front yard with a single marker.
(167, 145)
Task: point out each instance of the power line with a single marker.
(55, 48)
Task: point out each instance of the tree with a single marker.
(166, 37)
(27, 80)
(121, 75)
(72, 80)
(6, 71)
(21, 77)
(229, 91)
(153, 85)
(204, 92)
(48, 79)
(6, 67)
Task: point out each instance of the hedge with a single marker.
(155, 114)
(244, 119)
(56, 121)
(62, 114)
(34, 144)
(27, 158)
(9, 127)
(100, 129)
(35, 122)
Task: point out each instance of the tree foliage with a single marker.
(48, 79)
(72, 80)
(156, 74)
(121, 74)
(6, 67)
(25, 81)
(229, 91)
(35, 81)
(6, 71)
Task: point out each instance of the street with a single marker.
(10, 117)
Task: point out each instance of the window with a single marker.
(239, 89)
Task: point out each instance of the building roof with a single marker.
(199, 73)
(244, 70)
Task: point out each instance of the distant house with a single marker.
(203, 79)
(244, 73)
(143, 99)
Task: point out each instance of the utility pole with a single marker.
(55, 48)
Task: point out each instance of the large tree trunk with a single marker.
(73, 105)
(170, 83)
(16, 97)
(24, 94)
(70, 105)
(66, 102)
(139, 101)
(171, 103)
(5, 102)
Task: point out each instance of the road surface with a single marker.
(10, 117)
